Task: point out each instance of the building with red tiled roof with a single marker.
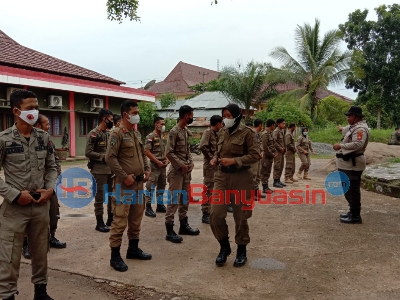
(69, 95)
(181, 78)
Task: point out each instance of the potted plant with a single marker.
(63, 151)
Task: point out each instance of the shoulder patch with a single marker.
(113, 140)
(360, 134)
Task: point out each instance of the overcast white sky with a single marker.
(192, 31)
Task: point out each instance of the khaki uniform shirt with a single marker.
(125, 154)
(96, 147)
(395, 138)
(241, 145)
(289, 142)
(178, 151)
(155, 144)
(27, 165)
(56, 158)
(269, 144)
(208, 146)
(355, 140)
(303, 143)
(279, 140)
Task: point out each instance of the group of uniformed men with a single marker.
(118, 157)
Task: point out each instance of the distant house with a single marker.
(69, 95)
(206, 105)
(181, 78)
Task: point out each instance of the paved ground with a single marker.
(296, 252)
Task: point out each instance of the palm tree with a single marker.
(319, 62)
(251, 86)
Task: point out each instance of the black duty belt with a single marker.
(351, 156)
(233, 169)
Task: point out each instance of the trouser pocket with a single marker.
(6, 245)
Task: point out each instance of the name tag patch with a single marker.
(14, 147)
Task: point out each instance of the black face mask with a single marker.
(190, 121)
(109, 124)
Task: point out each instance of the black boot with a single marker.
(161, 208)
(224, 252)
(186, 229)
(25, 249)
(344, 215)
(241, 257)
(134, 252)
(206, 218)
(277, 183)
(281, 183)
(110, 218)
(116, 260)
(149, 211)
(100, 224)
(40, 292)
(11, 298)
(55, 243)
(230, 208)
(266, 189)
(171, 235)
(351, 219)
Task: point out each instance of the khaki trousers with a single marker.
(241, 181)
(208, 181)
(157, 181)
(290, 167)
(305, 162)
(130, 215)
(178, 182)
(266, 168)
(15, 221)
(279, 163)
(101, 180)
(256, 169)
(54, 213)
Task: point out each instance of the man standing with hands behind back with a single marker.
(30, 175)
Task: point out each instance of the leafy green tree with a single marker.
(250, 86)
(332, 109)
(148, 111)
(167, 100)
(377, 58)
(290, 112)
(319, 62)
(211, 86)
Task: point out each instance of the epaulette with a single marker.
(7, 131)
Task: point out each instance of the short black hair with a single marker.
(250, 124)
(184, 110)
(126, 106)
(270, 122)
(177, 120)
(257, 122)
(291, 125)
(40, 120)
(397, 128)
(18, 96)
(280, 120)
(116, 119)
(214, 120)
(156, 119)
(104, 112)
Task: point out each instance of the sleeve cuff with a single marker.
(12, 195)
(239, 162)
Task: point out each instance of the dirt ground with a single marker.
(296, 252)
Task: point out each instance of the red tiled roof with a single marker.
(15, 55)
(181, 77)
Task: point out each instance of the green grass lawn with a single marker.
(332, 136)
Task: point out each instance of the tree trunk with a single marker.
(378, 122)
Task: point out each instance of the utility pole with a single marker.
(204, 74)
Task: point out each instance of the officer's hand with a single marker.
(129, 180)
(282, 150)
(227, 161)
(166, 163)
(213, 162)
(262, 155)
(184, 169)
(336, 147)
(160, 164)
(25, 198)
(305, 152)
(45, 195)
(313, 152)
(340, 128)
(191, 167)
(147, 176)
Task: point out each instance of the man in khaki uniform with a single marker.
(30, 175)
(208, 146)
(270, 153)
(96, 147)
(256, 168)
(126, 158)
(290, 154)
(237, 151)
(304, 147)
(395, 137)
(179, 175)
(155, 151)
(351, 161)
(279, 160)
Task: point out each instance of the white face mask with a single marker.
(305, 133)
(229, 122)
(162, 128)
(134, 119)
(29, 116)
